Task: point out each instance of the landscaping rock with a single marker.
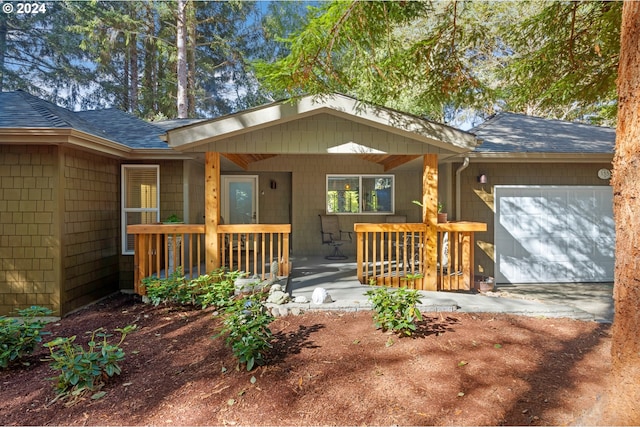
(321, 296)
(278, 297)
(301, 299)
(275, 287)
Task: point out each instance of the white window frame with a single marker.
(125, 210)
(361, 198)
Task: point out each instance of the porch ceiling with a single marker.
(388, 161)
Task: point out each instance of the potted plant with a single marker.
(483, 283)
(442, 216)
(173, 219)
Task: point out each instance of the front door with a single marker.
(239, 199)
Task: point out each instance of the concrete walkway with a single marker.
(585, 301)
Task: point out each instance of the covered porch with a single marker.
(393, 255)
(298, 151)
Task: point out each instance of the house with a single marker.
(60, 200)
(542, 187)
(82, 192)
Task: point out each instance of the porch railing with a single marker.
(162, 248)
(456, 242)
(254, 247)
(393, 254)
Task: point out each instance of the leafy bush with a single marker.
(81, 369)
(173, 289)
(395, 310)
(19, 338)
(248, 334)
(214, 289)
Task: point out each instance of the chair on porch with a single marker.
(333, 236)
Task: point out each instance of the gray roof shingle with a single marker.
(518, 133)
(126, 129)
(18, 109)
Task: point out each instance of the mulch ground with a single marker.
(325, 368)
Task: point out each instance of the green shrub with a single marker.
(174, 289)
(395, 310)
(246, 324)
(19, 338)
(214, 289)
(83, 370)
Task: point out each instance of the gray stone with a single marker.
(278, 297)
(274, 271)
(301, 299)
(296, 311)
(247, 285)
(275, 287)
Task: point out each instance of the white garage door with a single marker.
(554, 234)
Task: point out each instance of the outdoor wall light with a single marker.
(482, 178)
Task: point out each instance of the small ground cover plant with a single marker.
(246, 326)
(83, 369)
(395, 310)
(20, 337)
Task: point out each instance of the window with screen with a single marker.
(140, 199)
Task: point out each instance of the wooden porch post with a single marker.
(212, 210)
(430, 218)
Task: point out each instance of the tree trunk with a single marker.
(181, 44)
(3, 47)
(133, 97)
(191, 58)
(125, 82)
(624, 400)
(150, 82)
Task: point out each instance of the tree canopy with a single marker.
(94, 54)
(437, 58)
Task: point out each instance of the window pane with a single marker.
(141, 187)
(377, 193)
(342, 194)
(140, 204)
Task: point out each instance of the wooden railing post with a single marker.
(430, 217)
(212, 210)
(360, 257)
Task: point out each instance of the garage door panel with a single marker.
(554, 234)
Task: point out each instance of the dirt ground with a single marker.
(326, 368)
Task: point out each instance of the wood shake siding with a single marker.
(28, 247)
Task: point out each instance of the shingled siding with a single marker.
(91, 227)
(28, 246)
(477, 200)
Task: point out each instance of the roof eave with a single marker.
(503, 157)
(281, 112)
(84, 141)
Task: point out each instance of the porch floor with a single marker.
(586, 301)
(337, 277)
